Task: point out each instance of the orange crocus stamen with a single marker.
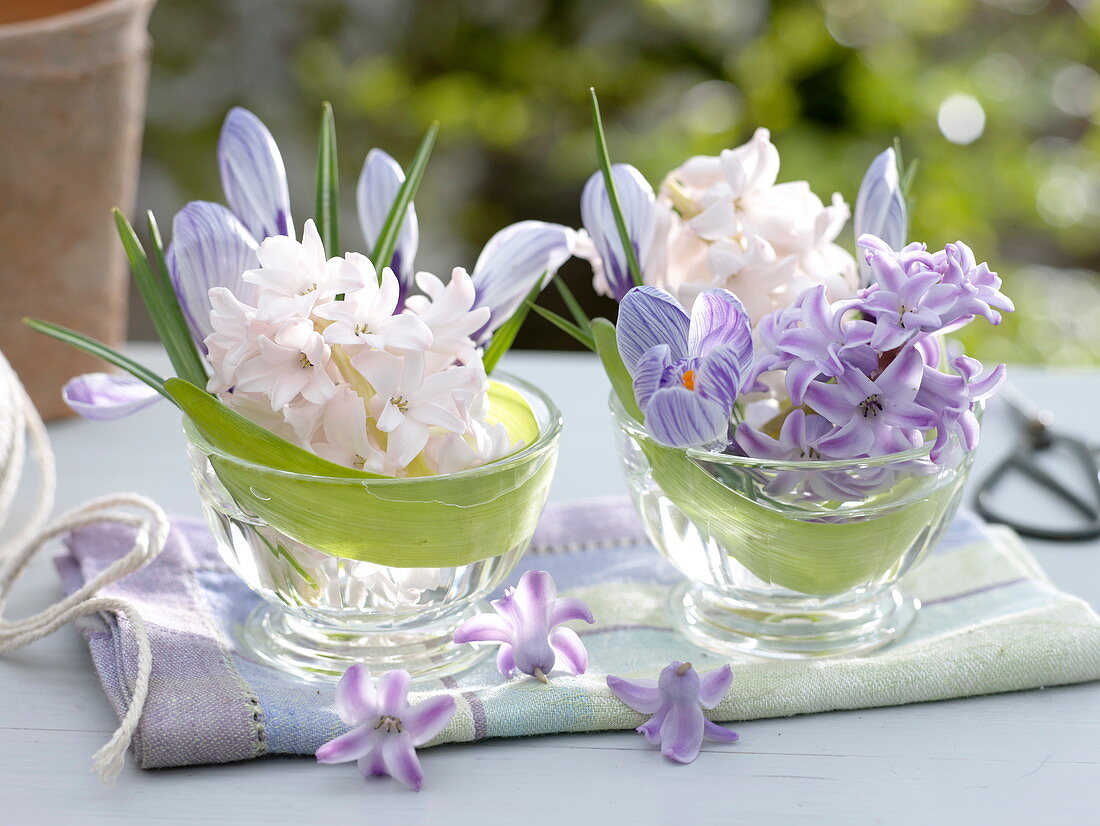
(688, 379)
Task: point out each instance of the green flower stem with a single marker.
(612, 194)
(382, 254)
(328, 184)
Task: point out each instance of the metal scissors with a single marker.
(1037, 436)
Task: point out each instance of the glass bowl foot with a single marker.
(313, 651)
(791, 629)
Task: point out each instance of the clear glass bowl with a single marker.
(329, 598)
(790, 559)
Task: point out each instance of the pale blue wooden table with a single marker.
(1024, 758)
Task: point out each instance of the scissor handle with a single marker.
(1022, 460)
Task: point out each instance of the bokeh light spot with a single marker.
(961, 118)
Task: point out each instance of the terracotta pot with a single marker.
(72, 105)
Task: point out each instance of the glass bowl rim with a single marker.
(632, 427)
(548, 435)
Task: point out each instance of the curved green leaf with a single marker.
(418, 522)
(806, 554)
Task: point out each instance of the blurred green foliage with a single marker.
(835, 81)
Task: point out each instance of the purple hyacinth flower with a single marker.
(674, 700)
(387, 729)
(799, 438)
(880, 208)
(511, 263)
(825, 342)
(103, 396)
(952, 397)
(919, 292)
(379, 182)
(525, 624)
(978, 288)
(640, 214)
(688, 370)
(873, 416)
(253, 175)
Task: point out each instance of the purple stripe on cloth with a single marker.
(189, 654)
(477, 708)
(975, 591)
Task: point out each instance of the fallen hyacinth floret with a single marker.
(525, 625)
(676, 700)
(387, 729)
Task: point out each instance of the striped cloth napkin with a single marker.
(991, 622)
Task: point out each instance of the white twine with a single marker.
(18, 418)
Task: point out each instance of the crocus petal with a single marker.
(639, 210)
(641, 695)
(355, 697)
(569, 650)
(682, 732)
(210, 248)
(880, 208)
(103, 397)
(347, 747)
(720, 733)
(718, 318)
(513, 261)
(649, 316)
(253, 175)
(570, 608)
(379, 181)
(719, 376)
(426, 719)
(402, 763)
(649, 373)
(714, 685)
(677, 417)
(484, 628)
(393, 687)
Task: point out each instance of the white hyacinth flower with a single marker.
(449, 312)
(366, 317)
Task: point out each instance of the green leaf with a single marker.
(506, 333)
(566, 326)
(89, 345)
(387, 236)
(328, 184)
(612, 195)
(810, 554)
(160, 300)
(508, 407)
(574, 306)
(603, 331)
(411, 522)
(229, 432)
